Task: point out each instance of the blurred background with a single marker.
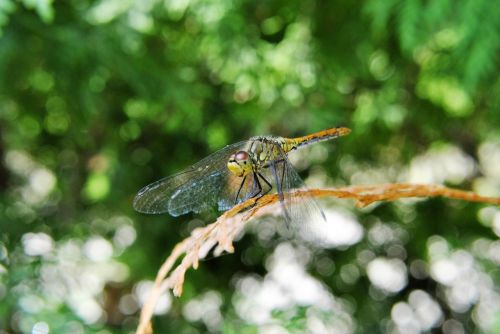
(99, 98)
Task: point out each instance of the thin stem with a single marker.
(223, 231)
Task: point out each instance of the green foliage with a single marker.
(463, 32)
(98, 98)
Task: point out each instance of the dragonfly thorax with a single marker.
(240, 163)
(258, 153)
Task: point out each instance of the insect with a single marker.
(235, 173)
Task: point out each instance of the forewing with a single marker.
(193, 189)
(218, 189)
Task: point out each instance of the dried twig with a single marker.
(222, 232)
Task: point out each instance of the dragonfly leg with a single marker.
(256, 179)
(259, 193)
(267, 182)
(239, 190)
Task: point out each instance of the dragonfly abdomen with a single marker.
(327, 134)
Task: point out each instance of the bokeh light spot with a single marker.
(217, 136)
(447, 93)
(41, 80)
(142, 291)
(98, 249)
(29, 126)
(130, 130)
(380, 66)
(36, 244)
(176, 8)
(40, 328)
(57, 119)
(390, 275)
(135, 108)
(272, 25)
(105, 11)
(205, 308)
(442, 163)
(97, 186)
(42, 181)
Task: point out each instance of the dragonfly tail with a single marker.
(319, 136)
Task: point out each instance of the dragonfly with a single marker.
(238, 172)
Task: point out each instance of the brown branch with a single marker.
(366, 195)
(223, 231)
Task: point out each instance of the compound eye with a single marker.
(241, 155)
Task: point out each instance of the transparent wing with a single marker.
(197, 188)
(301, 211)
(219, 188)
(299, 205)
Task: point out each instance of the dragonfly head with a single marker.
(240, 163)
